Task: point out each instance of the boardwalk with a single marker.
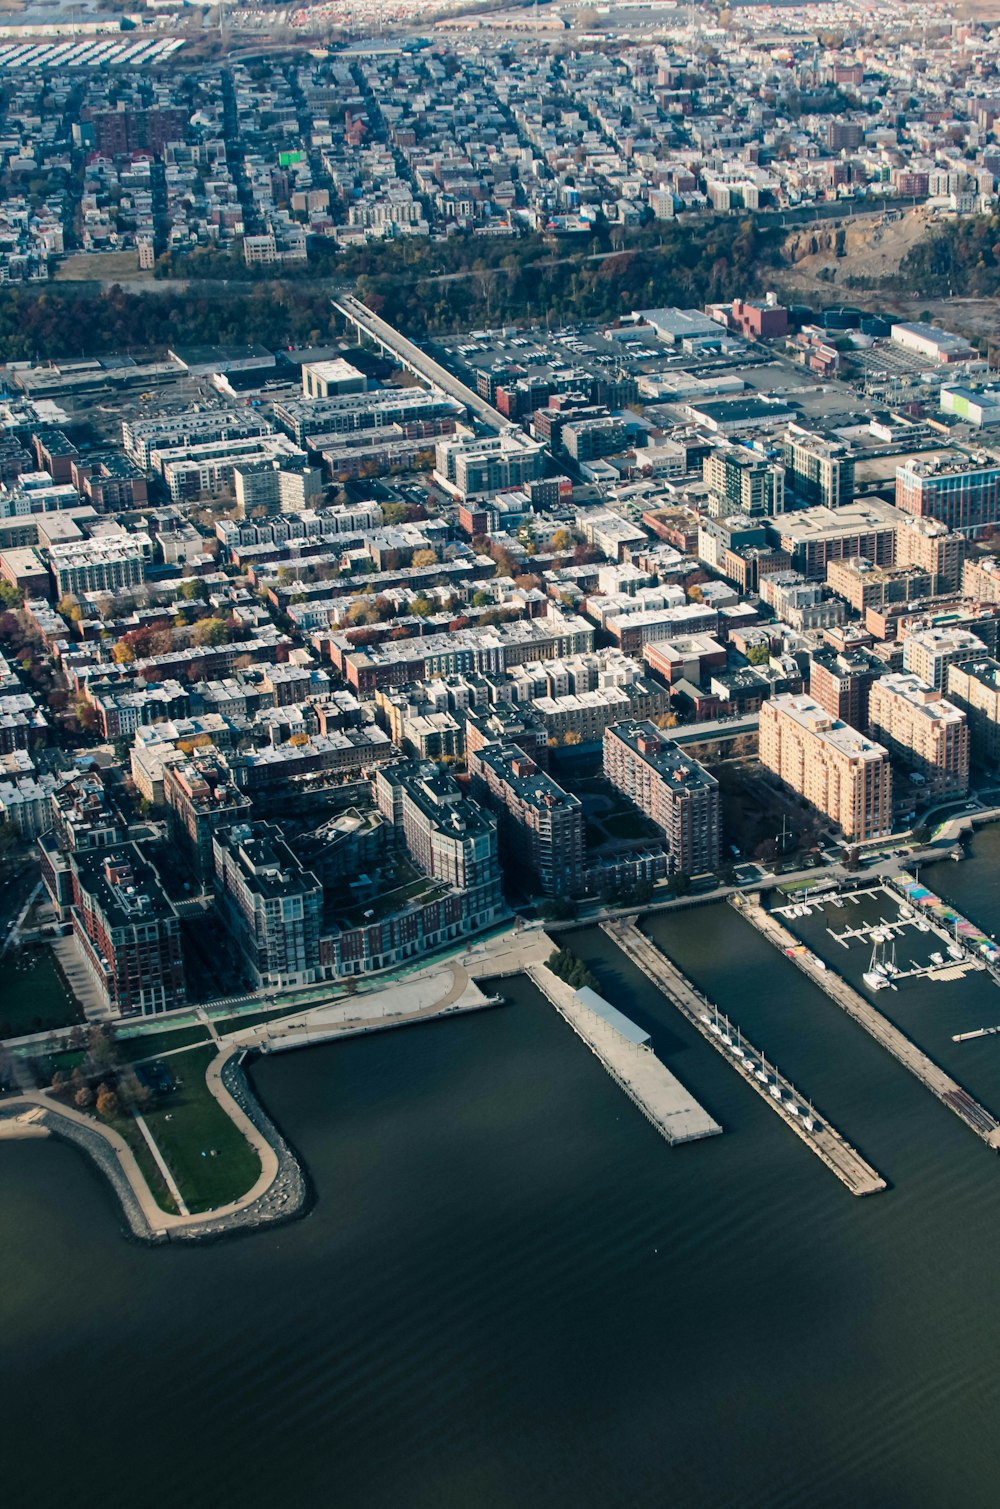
(794, 1109)
(947, 1090)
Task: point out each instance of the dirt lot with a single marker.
(86, 267)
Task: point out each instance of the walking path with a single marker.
(280, 1189)
(158, 1159)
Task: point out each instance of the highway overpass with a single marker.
(410, 357)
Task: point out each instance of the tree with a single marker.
(423, 558)
(560, 540)
(10, 596)
(759, 654)
(69, 607)
(107, 1102)
(122, 653)
(84, 1098)
(210, 631)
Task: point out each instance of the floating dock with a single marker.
(948, 1091)
(623, 1049)
(778, 1093)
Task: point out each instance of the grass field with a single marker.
(208, 1156)
(33, 996)
(129, 1050)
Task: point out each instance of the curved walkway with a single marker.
(278, 1193)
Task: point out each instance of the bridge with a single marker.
(410, 357)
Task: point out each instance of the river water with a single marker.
(511, 1292)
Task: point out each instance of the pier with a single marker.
(947, 1090)
(783, 1098)
(624, 1052)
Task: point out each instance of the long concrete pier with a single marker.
(635, 1069)
(948, 1091)
(819, 1136)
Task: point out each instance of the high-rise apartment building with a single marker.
(930, 652)
(928, 545)
(541, 825)
(201, 798)
(271, 905)
(974, 686)
(959, 494)
(838, 770)
(127, 930)
(841, 682)
(819, 472)
(671, 788)
(741, 483)
(923, 730)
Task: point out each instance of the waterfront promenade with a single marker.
(948, 1091)
(779, 1094)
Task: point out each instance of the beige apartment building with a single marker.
(928, 545)
(974, 685)
(837, 769)
(924, 730)
(981, 579)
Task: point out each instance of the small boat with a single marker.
(956, 951)
(776, 1092)
(937, 958)
(875, 979)
(759, 1074)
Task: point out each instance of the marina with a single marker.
(624, 1051)
(965, 950)
(789, 1103)
(903, 1049)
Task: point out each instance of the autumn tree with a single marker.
(107, 1102)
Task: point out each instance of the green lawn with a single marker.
(128, 1050)
(208, 1156)
(34, 996)
(126, 1127)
